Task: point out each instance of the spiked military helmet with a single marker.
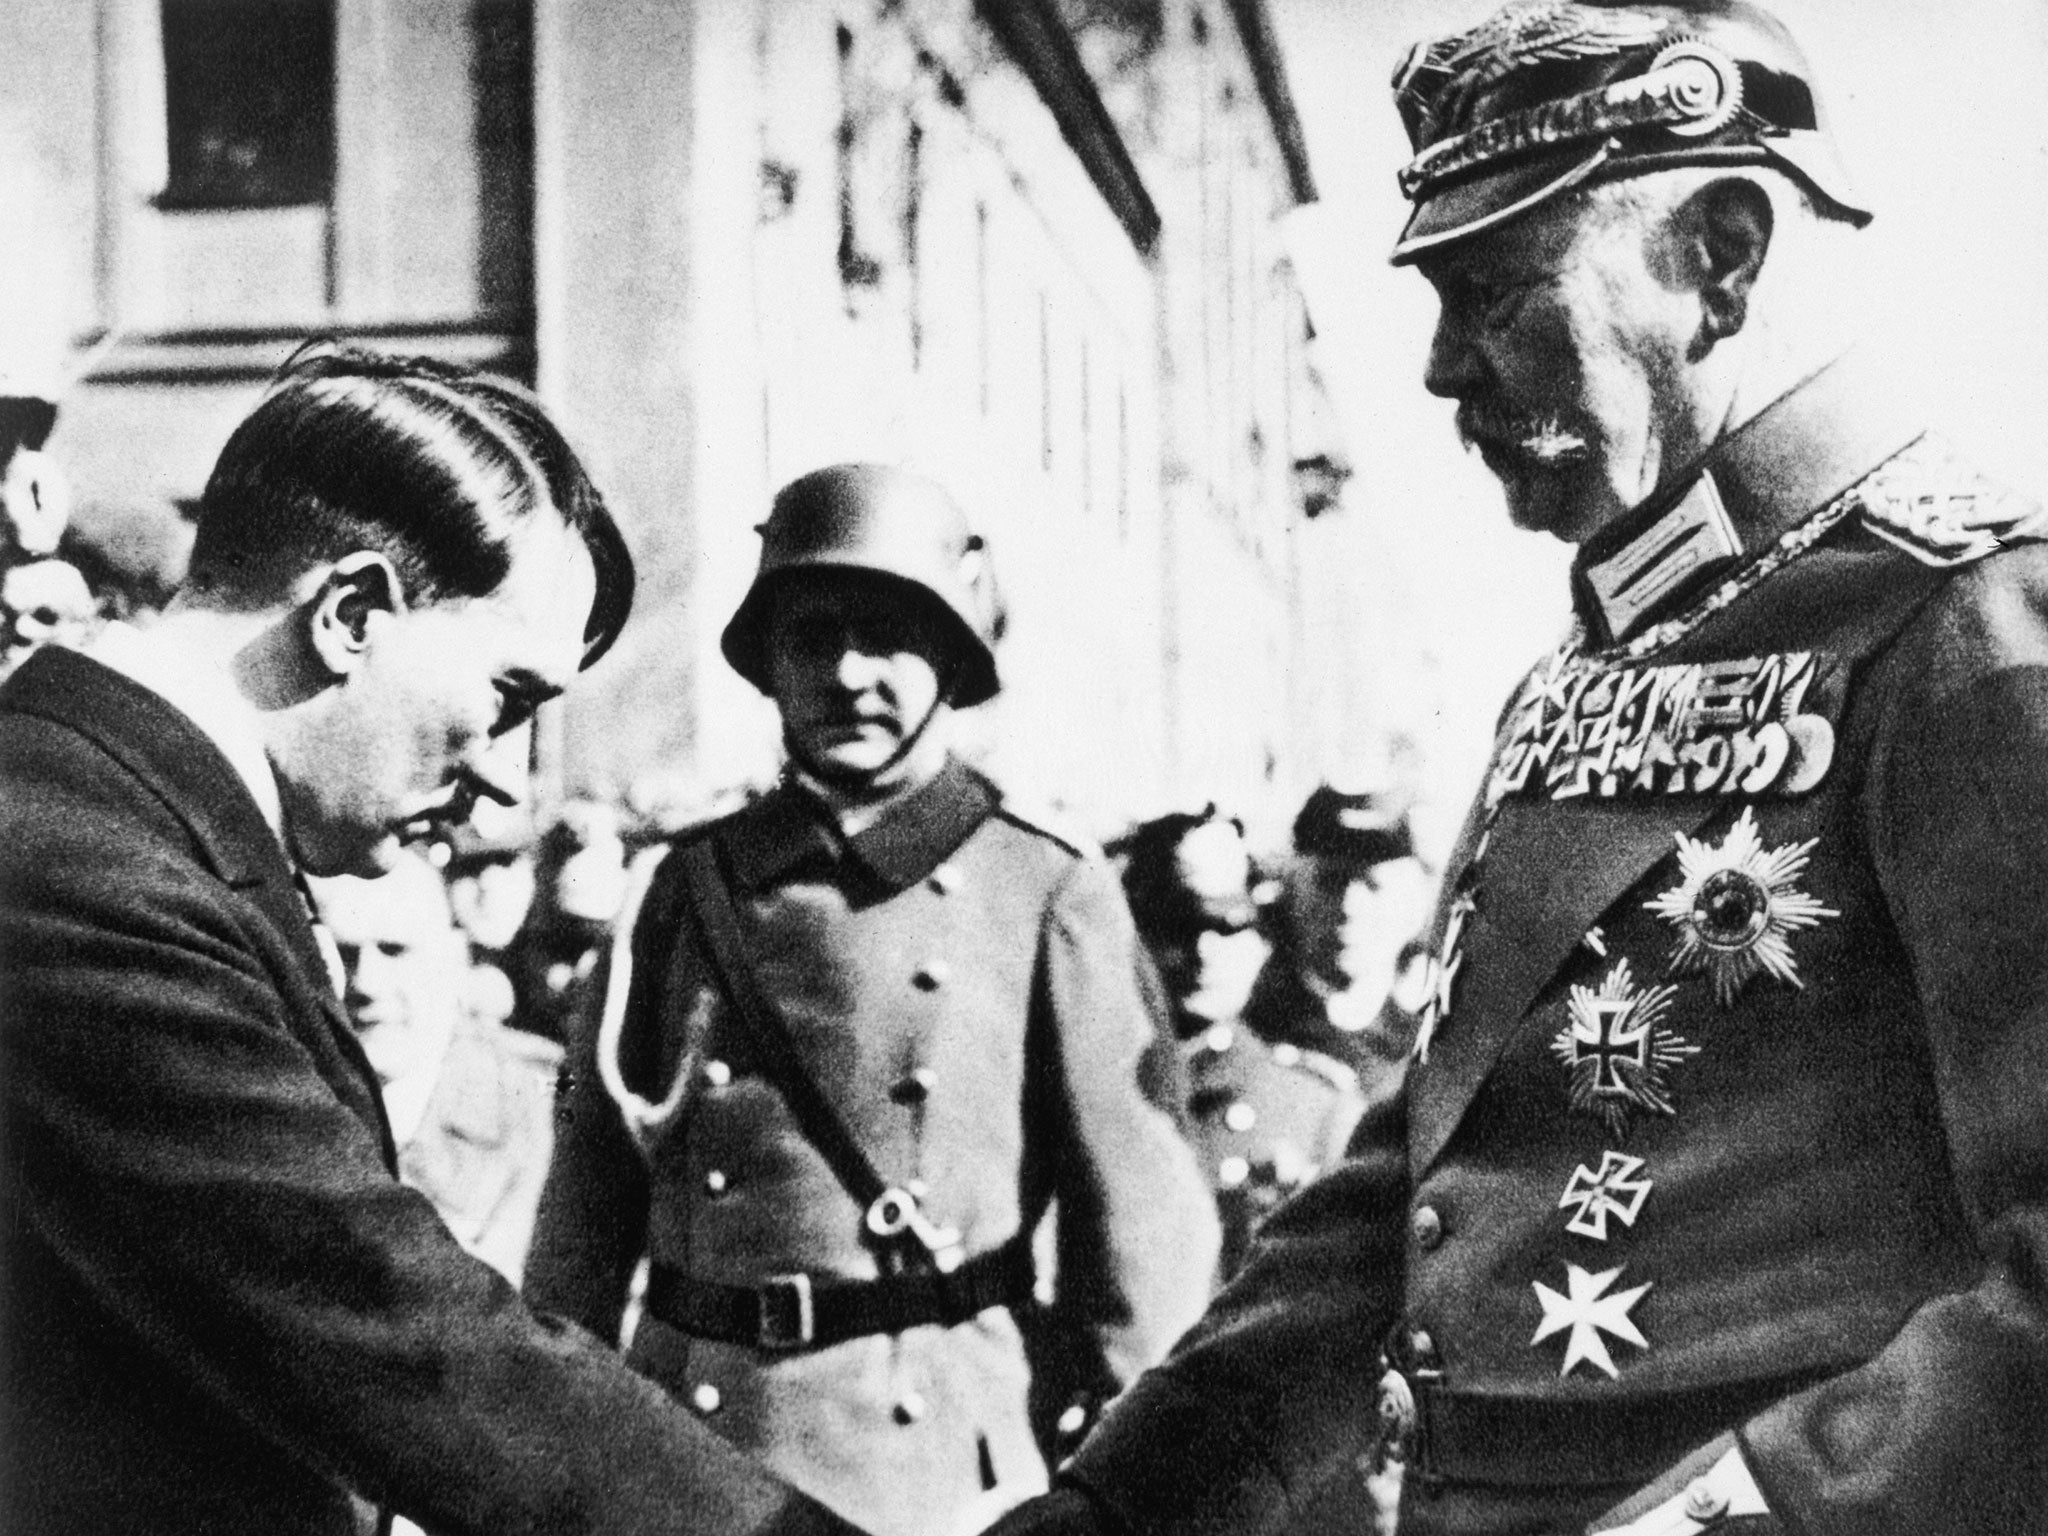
(883, 522)
(1547, 95)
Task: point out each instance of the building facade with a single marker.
(1032, 247)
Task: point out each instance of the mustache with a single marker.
(1541, 439)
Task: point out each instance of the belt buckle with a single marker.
(788, 1318)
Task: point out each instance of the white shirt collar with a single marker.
(204, 695)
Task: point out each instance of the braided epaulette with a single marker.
(1941, 511)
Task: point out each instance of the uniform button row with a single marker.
(1426, 1226)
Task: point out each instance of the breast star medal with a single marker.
(1736, 907)
(1588, 1311)
(1615, 1189)
(1619, 1051)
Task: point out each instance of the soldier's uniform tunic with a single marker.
(961, 983)
(1737, 1119)
(1264, 1119)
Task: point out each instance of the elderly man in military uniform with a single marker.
(860, 1038)
(1717, 1192)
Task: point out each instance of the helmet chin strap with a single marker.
(855, 781)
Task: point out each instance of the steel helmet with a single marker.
(887, 522)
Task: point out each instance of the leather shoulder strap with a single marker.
(718, 925)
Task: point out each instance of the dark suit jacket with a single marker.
(224, 1313)
(1824, 1226)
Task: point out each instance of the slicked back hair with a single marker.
(436, 468)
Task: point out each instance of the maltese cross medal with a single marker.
(1588, 1311)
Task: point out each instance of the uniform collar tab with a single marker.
(1796, 455)
(917, 833)
(1656, 557)
(909, 838)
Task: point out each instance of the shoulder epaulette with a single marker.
(1942, 512)
(1052, 825)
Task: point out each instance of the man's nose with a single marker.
(1453, 369)
(858, 671)
(369, 975)
(497, 769)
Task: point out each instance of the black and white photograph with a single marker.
(1047, 767)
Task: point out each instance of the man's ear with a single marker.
(1731, 227)
(343, 614)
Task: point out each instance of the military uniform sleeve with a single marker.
(1137, 1231)
(1946, 1429)
(591, 1229)
(1278, 1384)
(176, 1152)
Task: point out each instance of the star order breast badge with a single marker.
(1619, 1050)
(1616, 1188)
(1736, 907)
(1588, 1310)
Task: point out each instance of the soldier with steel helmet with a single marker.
(1714, 1196)
(859, 1039)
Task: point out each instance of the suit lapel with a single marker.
(184, 769)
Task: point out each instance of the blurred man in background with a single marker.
(1347, 971)
(470, 1100)
(44, 600)
(1263, 1118)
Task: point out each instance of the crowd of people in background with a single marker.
(1285, 984)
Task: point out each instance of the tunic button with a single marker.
(1232, 1172)
(1422, 1348)
(915, 1088)
(1240, 1116)
(1218, 1038)
(717, 1073)
(932, 975)
(706, 1398)
(911, 1407)
(1427, 1228)
(945, 879)
(1286, 1055)
(1704, 1504)
(715, 1183)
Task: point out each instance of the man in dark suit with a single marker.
(841, 1228)
(224, 1314)
(1717, 1193)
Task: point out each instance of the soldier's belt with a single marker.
(786, 1313)
(1515, 1442)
